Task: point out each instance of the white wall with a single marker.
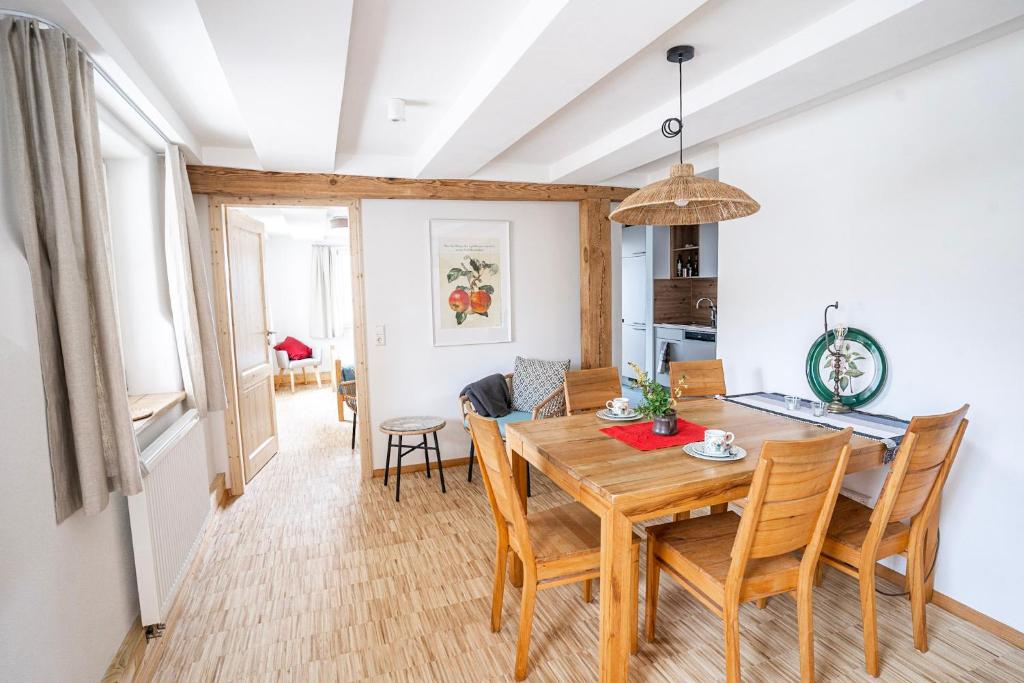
(135, 186)
(410, 376)
(287, 275)
(67, 593)
(904, 202)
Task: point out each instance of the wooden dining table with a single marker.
(623, 485)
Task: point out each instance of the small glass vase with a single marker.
(665, 425)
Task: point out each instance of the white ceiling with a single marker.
(542, 90)
(301, 223)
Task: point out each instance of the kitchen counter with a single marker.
(692, 327)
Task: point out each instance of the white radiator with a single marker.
(169, 516)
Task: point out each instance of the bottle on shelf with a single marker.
(679, 265)
(693, 267)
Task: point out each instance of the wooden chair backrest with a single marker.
(589, 390)
(702, 377)
(919, 471)
(792, 496)
(501, 489)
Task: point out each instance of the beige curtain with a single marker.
(191, 306)
(54, 177)
(331, 301)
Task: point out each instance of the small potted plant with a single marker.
(659, 403)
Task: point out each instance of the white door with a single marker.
(257, 416)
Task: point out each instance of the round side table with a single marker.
(405, 427)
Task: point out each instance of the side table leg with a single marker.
(440, 469)
(398, 472)
(426, 455)
(387, 461)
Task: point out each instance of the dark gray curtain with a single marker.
(53, 174)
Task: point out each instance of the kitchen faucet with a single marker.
(714, 310)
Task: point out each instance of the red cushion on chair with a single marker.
(295, 349)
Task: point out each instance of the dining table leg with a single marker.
(616, 584)
(519, 465)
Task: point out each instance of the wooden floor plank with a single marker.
(316, 575)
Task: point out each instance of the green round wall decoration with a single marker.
(862, 376)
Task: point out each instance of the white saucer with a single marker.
(696, 449)
(605, 414)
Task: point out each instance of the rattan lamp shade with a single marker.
(707, 201)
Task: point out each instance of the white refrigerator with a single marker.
(634, 312)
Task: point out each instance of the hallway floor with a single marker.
(314, 575)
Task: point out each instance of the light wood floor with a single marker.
(312, 576)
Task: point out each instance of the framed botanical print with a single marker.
(470, 285)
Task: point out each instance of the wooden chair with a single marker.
(859, 536)
(700, 379)
(590, 390)
(557, 546)
(346, 395)
(725, 560)
(703, 378)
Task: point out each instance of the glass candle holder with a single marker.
(792, 402)
(818, 408)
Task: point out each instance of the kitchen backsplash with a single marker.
(674, 300)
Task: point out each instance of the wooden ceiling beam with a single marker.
(240, 182)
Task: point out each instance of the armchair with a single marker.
(347, 394)
(285, 364)
(547, 407)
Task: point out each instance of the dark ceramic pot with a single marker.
(666, 424)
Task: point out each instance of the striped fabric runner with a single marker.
(884, 428)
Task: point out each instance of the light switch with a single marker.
(380, 336)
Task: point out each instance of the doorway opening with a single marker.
(288, 277)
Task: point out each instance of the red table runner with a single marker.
(640, 436)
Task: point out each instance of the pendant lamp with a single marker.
(683, 198)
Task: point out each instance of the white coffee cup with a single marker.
(717, 442)
(618, 406)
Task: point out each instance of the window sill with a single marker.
(149, 407)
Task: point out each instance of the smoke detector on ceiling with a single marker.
(396, 109)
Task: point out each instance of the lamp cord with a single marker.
(673, 127)
(938, 540)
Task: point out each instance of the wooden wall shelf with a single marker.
(684, 251)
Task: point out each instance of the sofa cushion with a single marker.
(533, 380)
(295, 349)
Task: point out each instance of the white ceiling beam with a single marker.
(114, 58)
(285, 64)
(862, 43)
(554, 51)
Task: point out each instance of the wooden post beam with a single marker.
(240, 182)
(595, 283)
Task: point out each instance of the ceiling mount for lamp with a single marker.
(683, 198)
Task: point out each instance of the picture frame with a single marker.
(470, 281)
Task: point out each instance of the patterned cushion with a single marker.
(533, 380)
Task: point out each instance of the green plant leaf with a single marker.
(454, 274)
(460, 318)
(854, 372)
(852, 365)
(487, 288)
(464, 288)
(474, 264)
(844, 382)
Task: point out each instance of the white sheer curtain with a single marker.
(191, 306)
(331, 301)
(53, 176)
